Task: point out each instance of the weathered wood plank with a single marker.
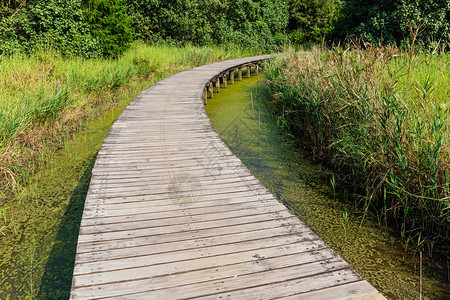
(173, 220)
(140, 260)
(182, 236)
(282, 217)
(171, 252)
(198, 263)
(207, 274)
(263, 285)
(354, 290)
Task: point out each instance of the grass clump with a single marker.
(379, 117)
(45, 97)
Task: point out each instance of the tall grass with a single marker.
(45, 97)
(379, 117)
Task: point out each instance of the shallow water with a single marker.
(249, 129)
(37, 252)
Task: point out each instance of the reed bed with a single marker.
(379, 118)
(45, 97)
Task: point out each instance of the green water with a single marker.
(37, 249)
(250, 131)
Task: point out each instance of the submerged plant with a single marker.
(344, 222)
(29, 259)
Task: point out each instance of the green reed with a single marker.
(379, 117)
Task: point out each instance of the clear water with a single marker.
(250, 130)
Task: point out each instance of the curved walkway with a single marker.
(171, 213)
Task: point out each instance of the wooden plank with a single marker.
(105, 215)
(191, 249)
(272, 283)
(221, 195)
(199, 263)
(143, 171)
(173, 192)
(173, 186)
(98, 182)
(207, 274)
(168, 212)
(173, 219)
(288, 286)
(282, 217)
(144, 260)
(354, 290)
(194, 243)
(181, 236)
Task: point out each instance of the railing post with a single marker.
(210, 90)
(224, 79)
(205, 96)
(218, 84)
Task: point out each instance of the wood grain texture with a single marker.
(171, 213)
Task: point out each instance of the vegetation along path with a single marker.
(172, 213)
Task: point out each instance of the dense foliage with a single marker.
(311, 19)
(373, 21)
(26, 25)
(93, 28)
(391, 21)
(256, 24)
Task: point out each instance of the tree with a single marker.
(110, 25)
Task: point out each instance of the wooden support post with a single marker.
(205, 96)
(232, 77)
(224, 79)
(240, 74)
(210, 90)
(256, 69)
(249, 70)
(218, 84)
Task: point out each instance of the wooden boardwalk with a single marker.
(171, 213)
